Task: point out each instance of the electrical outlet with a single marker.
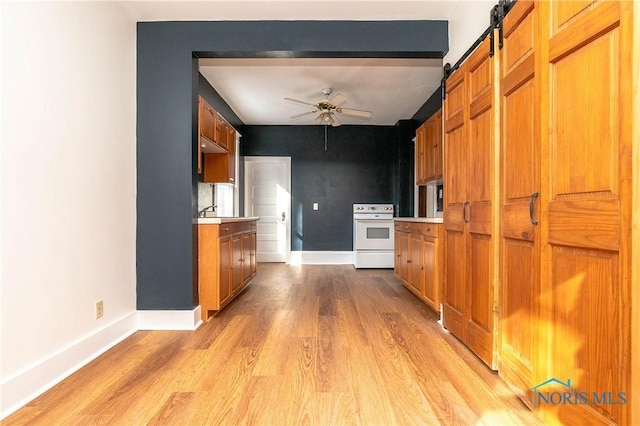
(99, 309)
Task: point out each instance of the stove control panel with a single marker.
(373, 208)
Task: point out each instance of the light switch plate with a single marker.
(315, 206)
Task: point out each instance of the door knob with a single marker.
(283, 216)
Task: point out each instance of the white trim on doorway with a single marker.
(286, 205)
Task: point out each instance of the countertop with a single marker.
(419, 219)
(219, 220)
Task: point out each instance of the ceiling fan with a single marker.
(328, 108)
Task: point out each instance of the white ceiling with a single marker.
(392, 89)
(255, 89)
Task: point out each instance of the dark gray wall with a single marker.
(433, 104)
(358, 167)
(167, 89)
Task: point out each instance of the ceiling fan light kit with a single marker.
(328, 108)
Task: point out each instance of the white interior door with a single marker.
(268, 195)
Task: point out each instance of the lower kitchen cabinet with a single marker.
(419, 260)
(226, 262)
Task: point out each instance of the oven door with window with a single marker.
(374, 234)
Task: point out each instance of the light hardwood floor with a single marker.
(307, 344)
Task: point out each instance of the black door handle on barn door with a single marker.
(532, 200)
(464, 212)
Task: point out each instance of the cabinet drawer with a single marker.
(241, 227)
(428, 229)
(226, 229)
(403, 226)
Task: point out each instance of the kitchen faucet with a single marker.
(202, 212)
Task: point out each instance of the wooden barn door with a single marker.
(585, 201)
(520, 210)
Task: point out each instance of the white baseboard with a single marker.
(22, 387)
(321, 258)
(170, 320)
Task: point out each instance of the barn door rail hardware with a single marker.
(496, 16)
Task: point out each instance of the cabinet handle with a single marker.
(464, 212)
(408, 261)
(532, 200)
(428, 229)
(225, 229)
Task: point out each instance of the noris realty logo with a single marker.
(562, 393)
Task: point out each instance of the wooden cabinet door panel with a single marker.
(252, 252)
(420, 155)
(225, 270)
(520, 164)
(246, 257)
(236, 262)
(432, 260)
(402, 256)
(416, 266)
(588, 145)
(231, 156)
(437, 142)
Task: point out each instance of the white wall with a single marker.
(467, 21)
(68, 188)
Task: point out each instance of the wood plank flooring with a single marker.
(323, 345)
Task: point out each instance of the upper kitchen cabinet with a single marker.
(429, 149)
(221, 167)
(217, 141)
(222, 132)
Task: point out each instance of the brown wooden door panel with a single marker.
(520, 177)
(480, 150)
(225, 269)
(416, 268)
(236, 263)
(479, 310)
(437, 149)
(585, 223)
(585, 327)
(455, 99)
(431, 282)
(402, 249)
(520, 27)
(455, 294)
(455, 182)
(587, 307)
(518, 312)
(516, 223)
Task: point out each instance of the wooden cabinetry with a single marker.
(226, 262)
(569, 160)
(470, 227)
(419, 260)
(216, 145)
(429, 149)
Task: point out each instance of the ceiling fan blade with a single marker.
(299, 102)
(337, 100)
(354, 112)
(334, 120)
(304, 113)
